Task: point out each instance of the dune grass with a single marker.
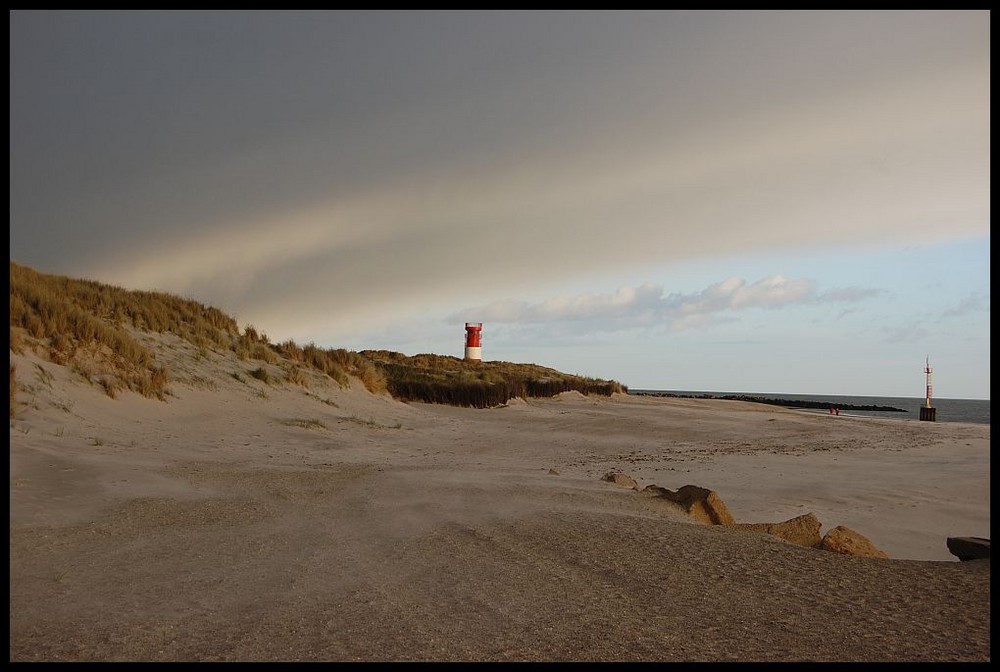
(90, 325)
(306, 423)
(443, 379)
(87, 324)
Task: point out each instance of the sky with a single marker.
(737, 201)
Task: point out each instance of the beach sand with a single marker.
(241, 521)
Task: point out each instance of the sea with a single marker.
(975, 411)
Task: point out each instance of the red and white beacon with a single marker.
(928, 412)
(473, 341)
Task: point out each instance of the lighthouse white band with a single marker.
(474, 353)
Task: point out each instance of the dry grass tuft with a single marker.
(16, 340)
(306, 423)
(295, 375)
(110, 386)
(261, 374)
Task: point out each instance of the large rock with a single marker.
(846, 541)
(707, 507)
(623, 480)
(702, 504)
(802, 530)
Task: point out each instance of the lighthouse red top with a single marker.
(473, 334)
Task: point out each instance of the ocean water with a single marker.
(948, 410)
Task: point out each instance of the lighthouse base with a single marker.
(928, 413)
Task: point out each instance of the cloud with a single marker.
(626, 302)
(646, 304)
(699, 322)
(384, 164)
(735, 294)
(908, 334)
(852, 294)
(970, 304)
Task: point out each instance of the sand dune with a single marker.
(243, 521)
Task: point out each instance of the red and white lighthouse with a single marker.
(473, 341)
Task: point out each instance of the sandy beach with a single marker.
(245, 521)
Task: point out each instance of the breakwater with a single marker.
(777, 401)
